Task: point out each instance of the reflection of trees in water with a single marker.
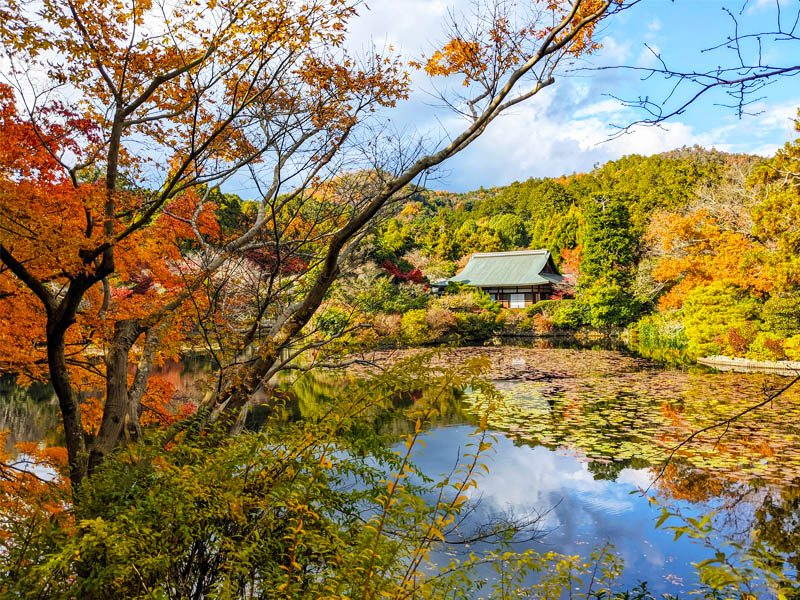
(609, 470)
(611, 418)
(31, 414)
(777, 521)
(663, 351)
(617, 415)
(191, 377)
(570, 342)
(28, 414)
(614, 414)
(683, 481)
(733, 500)
(310, 395)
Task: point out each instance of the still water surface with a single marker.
(580, 430)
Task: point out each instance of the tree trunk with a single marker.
(68, 403)
(116, 411)
(139, 386)
(235, 401)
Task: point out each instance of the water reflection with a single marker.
(609, 407)
(575, 445)
(579, 511)
(31, 414)
(580, 429)
(28, 414)
(309, 397)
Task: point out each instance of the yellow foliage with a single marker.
(697, 251)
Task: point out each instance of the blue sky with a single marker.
(566, 128)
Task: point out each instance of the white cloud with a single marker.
(539, 141)
(638, 479)
(767, 150)
(615, 52)
(566, 128)
(604, 107)
(409, 26)
(777, 116)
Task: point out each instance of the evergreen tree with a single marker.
(607, 268)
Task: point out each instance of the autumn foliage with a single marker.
(414, 275)
(118, 249)
(698, 251)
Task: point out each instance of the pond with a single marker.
(580, 435)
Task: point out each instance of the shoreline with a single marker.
(786, 368)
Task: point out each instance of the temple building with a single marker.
(513, 279)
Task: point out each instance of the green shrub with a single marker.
(712, 311)
(781, 315)
(542, 307)
(482, 325)
(792, 347)
(332, 321)
(525, 324)
(567, 315)
(560, 314)
(766, 346)
(459, 297)
(414, 327)
(608, 303)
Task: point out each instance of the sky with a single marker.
(567, 128)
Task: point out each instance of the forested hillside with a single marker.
(697, 249)
(551, 212)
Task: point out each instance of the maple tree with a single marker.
(699, 250)
(741, 228)
(168, 102)
(212, 88)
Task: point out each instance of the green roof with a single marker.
(522, 267)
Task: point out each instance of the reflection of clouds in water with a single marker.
(580, 513)
(523, 475)
(640, 479)
(521, 478)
